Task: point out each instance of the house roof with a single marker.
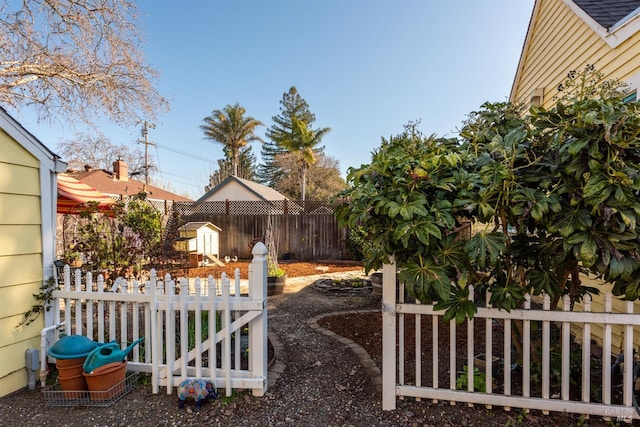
(191, 226)
(30, 142)
(263, 192)
(108, 183)
(608, 13)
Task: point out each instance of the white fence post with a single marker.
(226, 329)
(258, 331)
(389, 336)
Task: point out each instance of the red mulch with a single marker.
(293, 268)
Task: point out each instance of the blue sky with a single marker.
(365, 67)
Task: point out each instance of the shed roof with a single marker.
(263, 192)
(195, 225)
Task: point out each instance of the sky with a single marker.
(365, 67)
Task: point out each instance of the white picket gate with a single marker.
(545, 324)
(175, 321)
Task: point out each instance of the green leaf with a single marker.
(425, 280)
(484, 248)
(458, 306)
(575, 146)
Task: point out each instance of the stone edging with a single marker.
(365, 360)
(276, 367)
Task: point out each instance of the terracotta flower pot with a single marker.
(73, 386)
(70, 375)
(106, 381)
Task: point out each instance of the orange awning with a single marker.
(74, 195)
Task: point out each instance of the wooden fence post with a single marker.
(389, 336)
(258, 342)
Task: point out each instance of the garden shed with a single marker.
(201, 240)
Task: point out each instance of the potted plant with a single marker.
(72, 257)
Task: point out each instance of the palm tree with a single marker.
(302, 142)
(231, 128)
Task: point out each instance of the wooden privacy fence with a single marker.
(302, 230)
(557, 372)
(191, 329)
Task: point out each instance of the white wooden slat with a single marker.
(586, 353)
(100, 308)
(213, 356)
(526, 350)
(198, 328)
(89, 300)
(566, 348)
(606, 355)
(546, 349)
(435, 351)
(389, 322)
(77, 304)
(183, 285)
(418, 348)
(170, 328)
(470, 351)
(488, 349)
(627, 396)
(226, 325)
(452, 354)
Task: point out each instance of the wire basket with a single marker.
(55, 396)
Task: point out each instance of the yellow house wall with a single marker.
(597, 306)
(21, 269)
(559, 41)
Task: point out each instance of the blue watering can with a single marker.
(106, 354)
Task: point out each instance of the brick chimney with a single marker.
(120, 170)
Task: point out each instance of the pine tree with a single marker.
(246, 167)
(291, 105)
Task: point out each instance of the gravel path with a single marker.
(316, 380)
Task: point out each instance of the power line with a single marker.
(184, 153)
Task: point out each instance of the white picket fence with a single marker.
(551, 329)
(176, 320)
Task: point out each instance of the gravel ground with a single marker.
(321, 383)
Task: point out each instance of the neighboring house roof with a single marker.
(111, 183)
(258, 191)
(608, 13)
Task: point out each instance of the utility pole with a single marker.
(145, 135)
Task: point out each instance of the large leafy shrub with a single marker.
(556, 191)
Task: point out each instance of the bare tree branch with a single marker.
(76, 58)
